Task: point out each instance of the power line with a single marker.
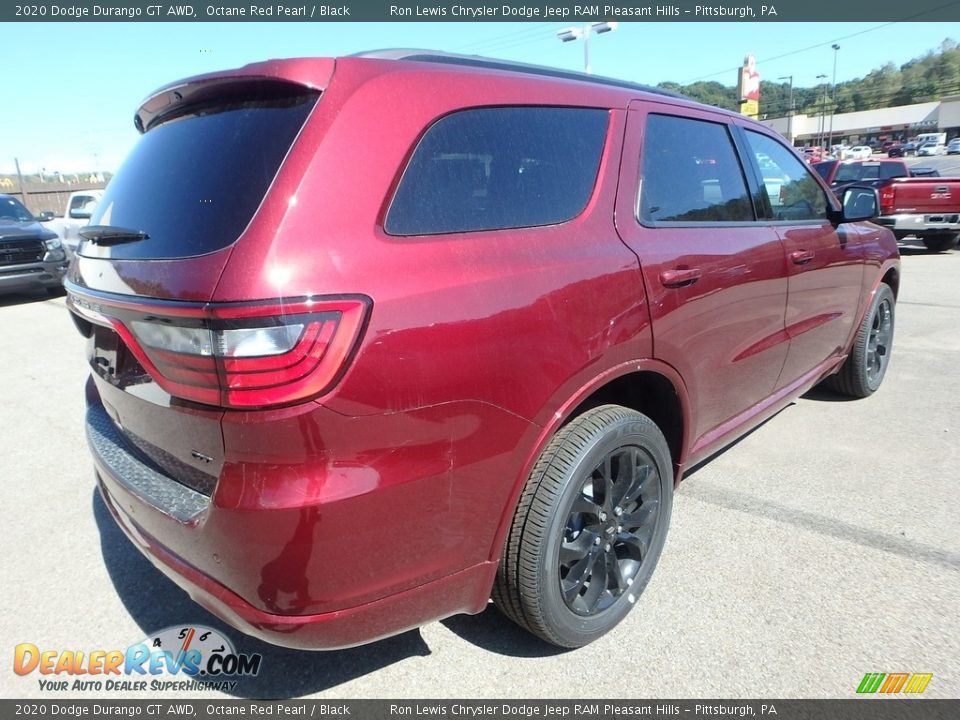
(513, 39)
(830, 42)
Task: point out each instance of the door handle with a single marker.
(679, 278)
(802, 257)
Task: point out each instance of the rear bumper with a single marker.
(921, 224)
(463, 592)
(32, 276)
(379, 549)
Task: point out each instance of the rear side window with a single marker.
(495, 168)
(691, 173)
(194, 182)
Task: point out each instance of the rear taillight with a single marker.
(887, 195)
(239, 355)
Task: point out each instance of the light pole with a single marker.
(833, 92)
(789, 108)
(823, 111)
(576, 33)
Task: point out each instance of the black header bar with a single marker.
(473, 11)
(587, 709)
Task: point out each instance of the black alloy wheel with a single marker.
(880, 341)
(865, 367)
(609, 530)
(589, 527)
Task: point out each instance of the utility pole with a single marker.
(23, 192)
(822, 98)
(789, 108)
(833, 92)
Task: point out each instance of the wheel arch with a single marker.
(891, 277)
(648, 386)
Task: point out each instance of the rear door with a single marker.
(714, 276)
(825, 262)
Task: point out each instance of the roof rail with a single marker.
(509, 66)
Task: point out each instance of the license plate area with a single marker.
(112, 360)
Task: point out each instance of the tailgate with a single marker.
(926, 196)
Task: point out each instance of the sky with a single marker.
(70, 90)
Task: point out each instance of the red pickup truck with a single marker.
(913, 201)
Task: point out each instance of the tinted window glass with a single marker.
(11, 209)
(851, 172)
(499, 168)
(193, 183)
(823, 168)
(794, 193)
(691, 173)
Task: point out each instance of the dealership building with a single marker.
(858, 128)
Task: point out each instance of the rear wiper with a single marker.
(111, 234)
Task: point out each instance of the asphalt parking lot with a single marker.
(822, 546)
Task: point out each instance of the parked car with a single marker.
(928, 149)
(953, 147)
(914, 202)
(860, 152)
(80, 206)
(895, 151)
(377, 368)
(839, 152)
(31, 257)
(814, 154)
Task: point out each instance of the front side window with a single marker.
(793, 192)
(691, 173)
(495, 168)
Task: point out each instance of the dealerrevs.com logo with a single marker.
(192, 657)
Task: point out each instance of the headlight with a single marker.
(53, 244)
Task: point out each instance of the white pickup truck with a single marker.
(80, 206)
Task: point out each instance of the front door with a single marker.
(824, 261)
(715, 277)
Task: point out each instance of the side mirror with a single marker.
(859, 203)
(80, 214)
(45, 216)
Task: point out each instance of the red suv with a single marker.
(374, 338)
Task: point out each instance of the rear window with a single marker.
(494, 168)
(870, 171)
(193, 182)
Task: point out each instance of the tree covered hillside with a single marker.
(922, 79)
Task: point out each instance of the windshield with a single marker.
(12, 209)
(193, 182)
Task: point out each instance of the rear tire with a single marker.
(940, 243)
(589, 527)
(863, 371)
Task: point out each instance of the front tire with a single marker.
(589, 527)
(863, 371)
